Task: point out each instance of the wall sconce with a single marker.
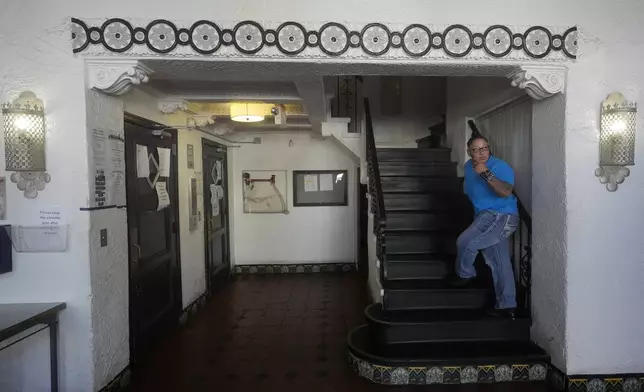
(24, 137)
(616, 140)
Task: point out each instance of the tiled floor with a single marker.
(271, 333)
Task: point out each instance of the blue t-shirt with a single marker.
(481, 193)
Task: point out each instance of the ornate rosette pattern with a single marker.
(332, 39)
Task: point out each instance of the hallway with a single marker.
(271, 333)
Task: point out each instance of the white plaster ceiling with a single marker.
(286, 81)
(225, 91)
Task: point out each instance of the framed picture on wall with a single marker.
(264, 192)
(320, 188)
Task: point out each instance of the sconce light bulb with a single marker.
(22, 123)
(619, 126)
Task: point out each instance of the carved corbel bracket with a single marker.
(540, 82)
(116, 77)
(173, 105)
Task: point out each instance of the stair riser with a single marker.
(488, 330)
(418, 170)
(424, 185)
(427, 203)
(428, 243)
(419, 155)
(434, 299)
(417, 270)
(451, 222)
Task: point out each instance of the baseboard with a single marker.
(120, 383)
(559, 381)
(267, 269)
(193, 308)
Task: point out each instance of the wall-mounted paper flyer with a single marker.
(162, 194)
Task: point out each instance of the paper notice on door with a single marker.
(213, 193)
(142, 162)
(311, 183)
(219, 176)
(326, 182)
(162, 195)
(215, 208)
(164, 162)
(219, 190)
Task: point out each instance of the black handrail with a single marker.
(524, 253)
(375, 189)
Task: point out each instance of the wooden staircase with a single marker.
(426, 331)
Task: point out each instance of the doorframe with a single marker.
(174, 169)
(224, 277)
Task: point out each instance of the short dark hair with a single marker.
(476, 136)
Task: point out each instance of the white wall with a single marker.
(605, 267)
(306, 234)
(549, 278)
(469, 97)
(423, 101)
(38, 59)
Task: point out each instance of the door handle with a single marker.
(138, 253)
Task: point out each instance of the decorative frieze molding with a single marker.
(539, 82)
(116, 77)
(331, 39)
(171, 105)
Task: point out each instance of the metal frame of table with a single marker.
(17, 318)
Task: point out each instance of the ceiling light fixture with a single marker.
(245, 112)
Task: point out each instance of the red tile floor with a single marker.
(272, 333)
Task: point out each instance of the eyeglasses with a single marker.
(480, 150)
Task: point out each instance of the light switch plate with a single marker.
(103, 238)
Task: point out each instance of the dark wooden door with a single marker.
(155, 281)
(216, 214)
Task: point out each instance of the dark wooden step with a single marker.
(432, 294)
(414, 154)
(418, 266)
(427, 202)
(417, 169)
(447, 185)
(414, 242)
(443, 325)
(454, 220)
(447, 362)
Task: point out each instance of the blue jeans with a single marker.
(490, 233)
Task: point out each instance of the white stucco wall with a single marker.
(602, 260)
(605, 262)
(306, 234)
(549, 278)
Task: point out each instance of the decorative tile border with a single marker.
(120, 383)
(191, 310)
(389, 375)
(266, 269)
(205, 37)
(595, 383)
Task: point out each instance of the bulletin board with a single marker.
(318, 188)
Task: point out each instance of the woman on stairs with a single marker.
(489, 182)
